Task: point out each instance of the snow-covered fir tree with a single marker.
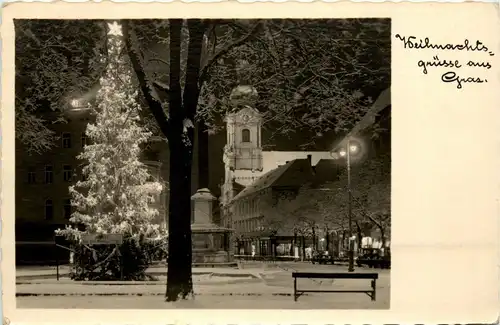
(116, 195)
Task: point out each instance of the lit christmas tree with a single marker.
(116, 196)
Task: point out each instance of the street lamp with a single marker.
(77, 105)
(351, 148)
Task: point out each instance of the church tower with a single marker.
(243, 150)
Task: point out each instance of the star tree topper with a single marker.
(115, 29)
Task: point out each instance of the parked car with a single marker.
(373, 258)
(322, 257)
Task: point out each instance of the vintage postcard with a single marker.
(250, 163)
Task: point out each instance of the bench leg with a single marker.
(374, 289)
(294, 289)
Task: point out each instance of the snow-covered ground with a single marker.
(317, 301)
(252, 287)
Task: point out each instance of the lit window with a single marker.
(67, 210)
(67, 173)
(245, 135)
(66, 140)
(49, 176)
(49, 209)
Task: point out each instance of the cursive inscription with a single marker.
(452, 77)
(448, 64)
(411, 42)
(438, 63)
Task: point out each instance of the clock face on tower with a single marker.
(245, 118)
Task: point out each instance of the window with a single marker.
(49, 210)
(31, 176)
(67, 210)
(67, 173)
(245, 135)
(49, 176)
(66, 140)
(84, 139)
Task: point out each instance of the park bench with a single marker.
(328, 275)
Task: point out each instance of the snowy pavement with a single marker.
(230, 288)
(324, 301)
(50, 272)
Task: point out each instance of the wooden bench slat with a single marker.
(318, 275)
(323, 275)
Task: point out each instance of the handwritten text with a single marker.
(451, 65)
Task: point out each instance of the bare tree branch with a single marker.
(228, 48)
(147, 87)
(158, 60)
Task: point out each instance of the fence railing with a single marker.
(267, 258)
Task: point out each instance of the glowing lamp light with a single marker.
(353, 149)
(77, 106)
(75, 103)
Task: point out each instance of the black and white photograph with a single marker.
(213, 163)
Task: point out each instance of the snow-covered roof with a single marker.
(264, 181)
(293, 174)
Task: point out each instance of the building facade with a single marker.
(247, 191)
(258, 229)
(43, 201)
(253, 177)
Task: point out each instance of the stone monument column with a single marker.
(207, 237)
(203, 205)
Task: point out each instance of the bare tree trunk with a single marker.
(327, 238)
(303, 247)
(295, 244)
(179, 281)
(203, 156)
(181, 142)
(202, 129)
(314, 238)
(343, 240)
(359, 235)
(382, 235)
